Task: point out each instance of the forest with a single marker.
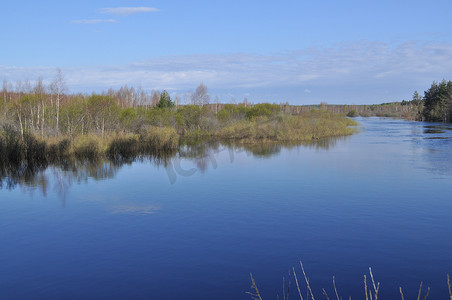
(438, 102)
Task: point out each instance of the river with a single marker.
(193, 226)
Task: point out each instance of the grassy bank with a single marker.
(18, 149)
(288, 128)
(130, 133)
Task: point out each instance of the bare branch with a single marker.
(257, 295)
(307, 281)
(335, 289)
(428, 292)
(376, 288)
(325, 294)
(420, 290)
(365, 287)
(449, 285)
(298, 286)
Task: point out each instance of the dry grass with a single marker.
(371, 291)
(159, 138)
(285, 128)
(17, 149)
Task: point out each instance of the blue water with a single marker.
(195, 226)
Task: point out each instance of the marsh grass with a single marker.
(371, 288)
(285, 128)
(258, 125)
(20, 150)
(159, 138)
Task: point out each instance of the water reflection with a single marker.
(135, 209)
(437, 129)
(437, 140)
(61, 175)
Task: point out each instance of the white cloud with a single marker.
(125, 11)
(93, 21)
(344, 73)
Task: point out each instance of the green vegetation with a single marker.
(352, 114)
(43, 124)
(282, 127)
(165, 100)
(438, 102)
(435, 106)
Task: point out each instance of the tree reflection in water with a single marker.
(61, 175)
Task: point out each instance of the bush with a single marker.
(232, 112)
(352, 114)
(263, 109)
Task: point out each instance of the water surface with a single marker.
(193, 226)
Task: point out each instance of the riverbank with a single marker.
(164, 130)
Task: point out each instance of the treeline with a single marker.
(438, 102)
(40, 123)
(434, 106)
(410, 110)
(49, 111)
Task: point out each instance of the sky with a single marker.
(296, 51)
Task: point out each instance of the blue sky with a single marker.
(298, 51)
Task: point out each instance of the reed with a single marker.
(159, 138)
(371, 288)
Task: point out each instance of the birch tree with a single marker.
(201, 96)
(58, 88)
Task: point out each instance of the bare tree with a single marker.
(177, 100)
(245, 101)
(58, 87)
(187, 97)
(155, 98)
(40, 90)
(19, 88)
(201, 95)
(217, 100)
(26, 87)
(5, 93)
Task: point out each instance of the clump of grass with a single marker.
(16, 149)
(121, 148)
(11, 146)
(159, 138)
(58, 149)
(87, 147)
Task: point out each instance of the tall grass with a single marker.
(285, 128)
(24, 150)
(159, 138)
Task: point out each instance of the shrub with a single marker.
(352, 114)
(232, 112)
(263, 109)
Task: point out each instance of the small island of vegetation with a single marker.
(44, 123)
